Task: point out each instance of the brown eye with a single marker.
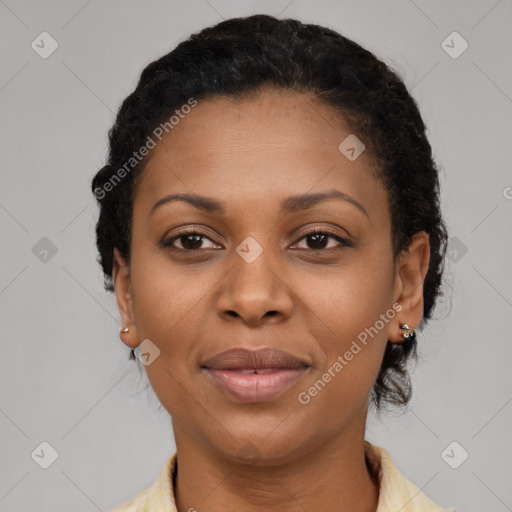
(318, 240)
(190, 241)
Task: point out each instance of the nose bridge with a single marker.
(254, 287)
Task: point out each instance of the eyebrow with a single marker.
(290, 205)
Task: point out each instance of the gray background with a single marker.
(65, 378)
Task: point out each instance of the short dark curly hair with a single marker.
(237, 58)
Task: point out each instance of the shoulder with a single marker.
(160, 496)
(396, 491)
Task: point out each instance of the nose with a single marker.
(256, 292)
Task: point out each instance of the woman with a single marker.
(270, 224)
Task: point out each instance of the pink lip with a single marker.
(256, 387)
(255, 375)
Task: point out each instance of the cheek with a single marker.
(350, 315)
(349, 357)
(166, 294)
(352, 297)
(169, 304)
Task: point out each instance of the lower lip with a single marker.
(254, 387)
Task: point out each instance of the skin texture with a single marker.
(251, 155)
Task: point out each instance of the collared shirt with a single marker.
(396, 493)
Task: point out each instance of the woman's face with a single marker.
(256, 276)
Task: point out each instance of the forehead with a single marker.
(273, 144)
(274, 120)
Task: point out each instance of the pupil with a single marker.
(317, 236)
(197, 241)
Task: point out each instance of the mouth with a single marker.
(255, 376)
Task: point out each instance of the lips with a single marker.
(243, 359)
(255, 376)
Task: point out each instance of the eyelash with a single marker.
(315, 231)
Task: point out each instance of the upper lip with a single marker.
(241, 358)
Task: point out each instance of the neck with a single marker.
(333, 476)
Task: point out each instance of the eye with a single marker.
(190, 240)
(319, 237)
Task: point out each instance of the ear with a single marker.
(410, 272)
(122, 285)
